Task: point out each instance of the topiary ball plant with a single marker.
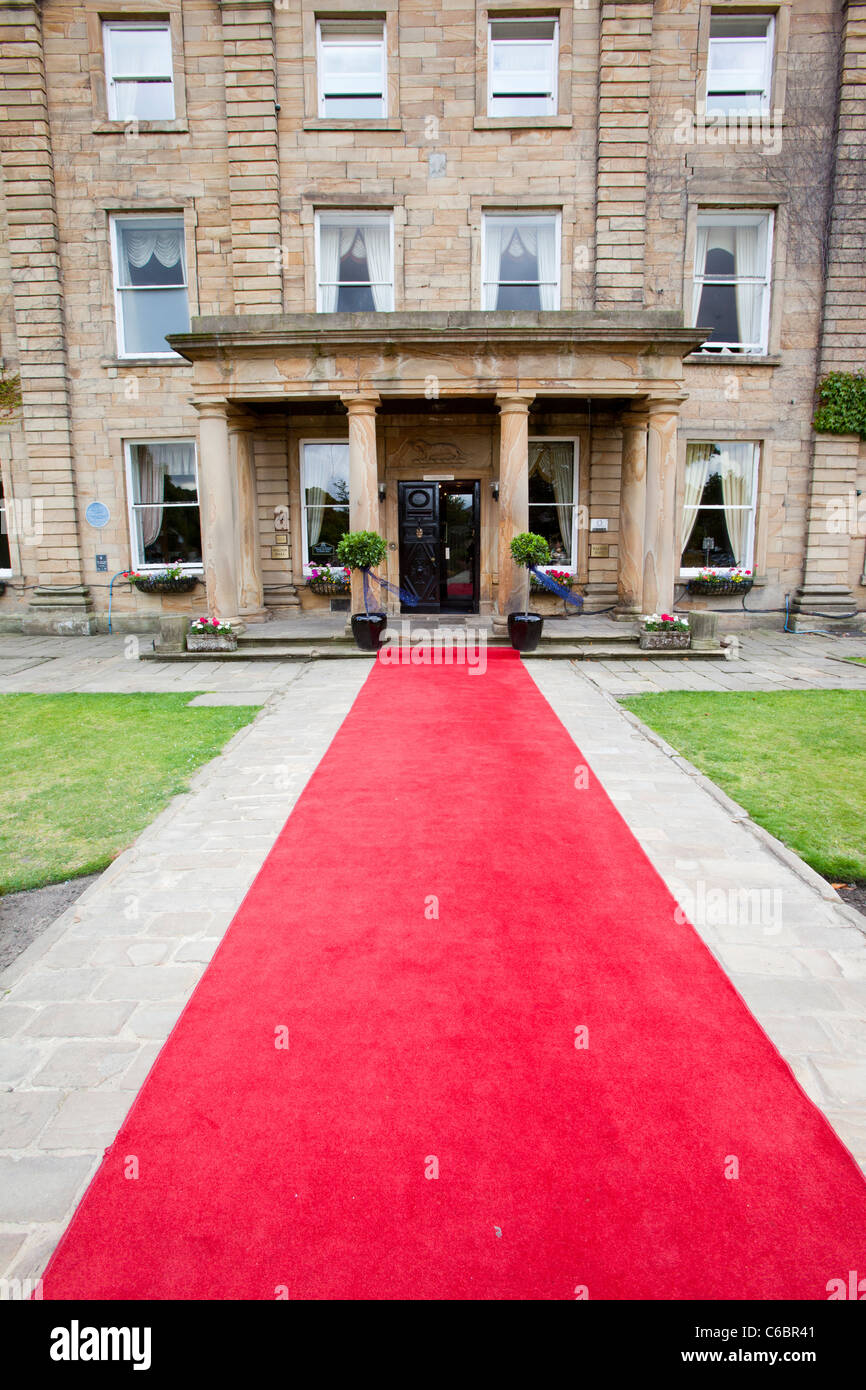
(528, 549)
(361, 550)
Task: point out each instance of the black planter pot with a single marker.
(184, 584)
(524, 629)
(367, 629)
(723, 587)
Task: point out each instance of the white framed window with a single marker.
(718, 519)
(138, 70)
(522, 66)
(150, 283)
(553, 510)
(520, 257)
(164, 516)
(324, 499)
(354, 262)
(351, 68)
(5, 550)
(740, 64)
(733, 266)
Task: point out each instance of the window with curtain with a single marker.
(520, 257)
(355, 263)
(5, 553)
(325, 493)
(739, 64)
(552, 498)
(732, 281)
(718, 521)
(150, 284)
(351, 68)
(138, 71)
(522, 62)
(166, 524)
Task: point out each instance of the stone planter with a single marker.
(723, 588)
(182, 585)
(665, 641)
(203, 642)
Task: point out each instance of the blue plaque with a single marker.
(98, 514)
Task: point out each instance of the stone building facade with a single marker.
(274, 270)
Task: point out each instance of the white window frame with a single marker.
(714, 348)
(307, 563)
(111, 78)
(138, 563)
(4, 527)
(364, 28)
(574, 440)
(692, 573)
(489, 217)
(355, 218)
(552, 97)
(723, 88)
(119, 290)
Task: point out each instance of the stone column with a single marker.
(219, 512)
(661, 539)
(251, 601)
(513, 593)
(632, 515)
(363, 480)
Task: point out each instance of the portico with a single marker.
(466, 402)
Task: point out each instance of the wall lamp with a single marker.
(383, 492)
(494, 489)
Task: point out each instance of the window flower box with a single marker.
(210, 635)
(329, 580)
(721, 582)
(664, 632)
(169, 581)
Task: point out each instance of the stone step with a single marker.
(631, 651)
(340, 651)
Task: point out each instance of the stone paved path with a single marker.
(85, 1009)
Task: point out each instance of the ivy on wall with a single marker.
(10, 395)
(842, 408)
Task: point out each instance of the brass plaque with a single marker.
(279, 552)
(599, 552)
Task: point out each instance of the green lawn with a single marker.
(793, 758)
(82, 775)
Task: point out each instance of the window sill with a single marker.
(142, 127)
(169, 360)
(353, 123)
(563, 122)
(730, 359)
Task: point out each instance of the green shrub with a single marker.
(361, 550)
(528, 549)
(843, 404)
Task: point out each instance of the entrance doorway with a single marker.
(439, 530)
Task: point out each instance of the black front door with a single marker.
(439, 546)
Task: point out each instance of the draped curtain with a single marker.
(749, 297)
(495, 234)
(372, 244)
(139, 244)
(153, 462)
(701, 245)
(698, 460)
(319, 468)
(737, 469)
(377, 239)
(555, 463)
(334, 243)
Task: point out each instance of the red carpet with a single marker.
(416, 1040)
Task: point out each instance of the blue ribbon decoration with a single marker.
(403, 595)
(544, 579)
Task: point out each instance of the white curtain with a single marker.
(737, 468)
(153, 462)
(701, 244)
(749, 297)
(546, 242)
(125, 100)
(495, 234)
(377, 239)
(555, 463)
(166, 243)
(334, 242)
(698, 460)
(318, 470)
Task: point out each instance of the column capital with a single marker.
(666, 405)
(364, 403)
(510, 401)
(212, 408)
(635, 417)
